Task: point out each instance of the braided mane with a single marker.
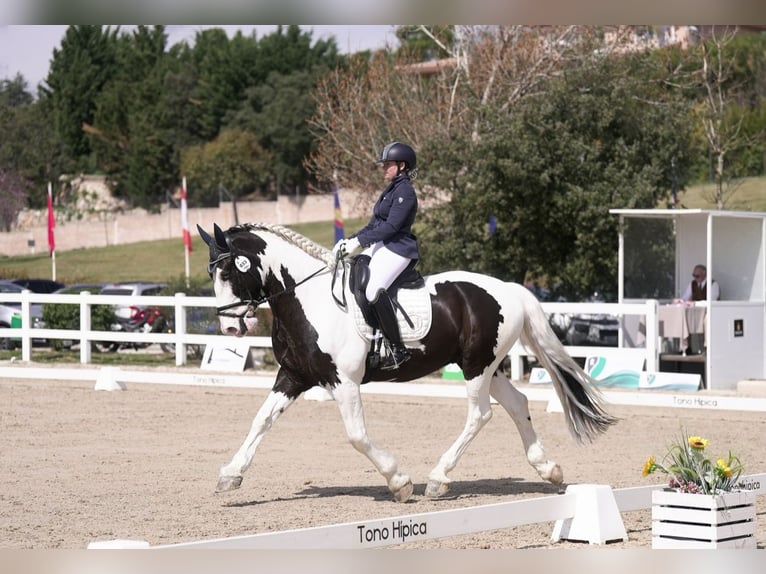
(301, 241)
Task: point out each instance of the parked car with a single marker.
(39, 285)
(583, 329)
(590, 329)
(10, 313)
(124, 313)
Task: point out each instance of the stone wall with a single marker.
(104, 228)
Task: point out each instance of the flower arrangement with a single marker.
(691, 471)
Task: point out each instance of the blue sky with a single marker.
(28, 49)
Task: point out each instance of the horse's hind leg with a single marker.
(479, 413)
(516, 404)
(230, 477)
(349, 400)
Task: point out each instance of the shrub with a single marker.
(67, 316)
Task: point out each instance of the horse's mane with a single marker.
(301, 241)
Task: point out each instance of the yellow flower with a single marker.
(691, 470)
(724, 468)
(698, 443)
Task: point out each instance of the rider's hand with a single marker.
(346, 247)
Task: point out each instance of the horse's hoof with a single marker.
(227, 483)
(436, 489)
(556, 475)
(404, 493)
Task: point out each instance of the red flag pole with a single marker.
(186, 232)
(51, 232)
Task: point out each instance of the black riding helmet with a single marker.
(399, 152)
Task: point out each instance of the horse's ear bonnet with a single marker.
(220, 248)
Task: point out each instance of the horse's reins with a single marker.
(341, 303)
(253, 303)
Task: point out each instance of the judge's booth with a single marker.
(722, 340)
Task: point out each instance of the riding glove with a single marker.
(346, 247)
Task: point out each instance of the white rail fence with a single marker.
(585, 513)
(181, 338)
(85, 335)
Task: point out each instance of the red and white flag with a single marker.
(185, 218)
(51, 222)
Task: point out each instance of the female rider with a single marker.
(389, 241)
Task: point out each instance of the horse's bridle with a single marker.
(252, 303)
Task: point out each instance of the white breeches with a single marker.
(385, 266)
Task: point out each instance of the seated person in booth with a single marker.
(698, 286)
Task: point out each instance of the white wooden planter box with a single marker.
(681, 520)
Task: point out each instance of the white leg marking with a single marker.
(517, 405)
(274, 405)
(479, 413)
(349, 399)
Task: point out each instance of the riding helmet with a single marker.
(397, 152)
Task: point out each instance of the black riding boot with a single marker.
(386, 314)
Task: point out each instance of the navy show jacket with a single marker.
(392, 219)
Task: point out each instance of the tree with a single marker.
(276, 112)
(363, 106)
(224, 71)
(79, 70)
(279, 102)
(14, 190)
(30, 153)
(233, 160)
(132, 131)
(543, 128)
(721, 115)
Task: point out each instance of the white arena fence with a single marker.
(86, 335)
(584, 513)
(181, 338)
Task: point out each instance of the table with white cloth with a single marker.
(680, 321)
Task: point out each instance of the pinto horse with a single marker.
(476, 319)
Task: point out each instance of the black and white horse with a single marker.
(475, 321)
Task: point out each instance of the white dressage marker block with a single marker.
(106, 380)
(554, 405)
(596, 519)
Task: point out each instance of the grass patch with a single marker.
(749, 195)
(49, 356)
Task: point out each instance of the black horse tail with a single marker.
(581, 400)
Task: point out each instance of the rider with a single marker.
(389, 241)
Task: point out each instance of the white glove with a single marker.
(346, 247)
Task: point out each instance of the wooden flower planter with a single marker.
(681, 520)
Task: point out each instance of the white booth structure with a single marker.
(724, 340)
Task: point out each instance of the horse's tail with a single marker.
(581, 400)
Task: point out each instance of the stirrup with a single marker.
(395, 359)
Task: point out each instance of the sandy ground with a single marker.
(80, 465)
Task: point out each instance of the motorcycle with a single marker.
(146, 320)
(198, 321)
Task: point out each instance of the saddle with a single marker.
(408, 293)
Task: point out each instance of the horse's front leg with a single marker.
(479, 413)
(349, 399)
(517, 405)
(276, 403)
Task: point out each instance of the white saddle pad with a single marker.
(417, 304)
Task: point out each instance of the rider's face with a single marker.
(390, 169)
